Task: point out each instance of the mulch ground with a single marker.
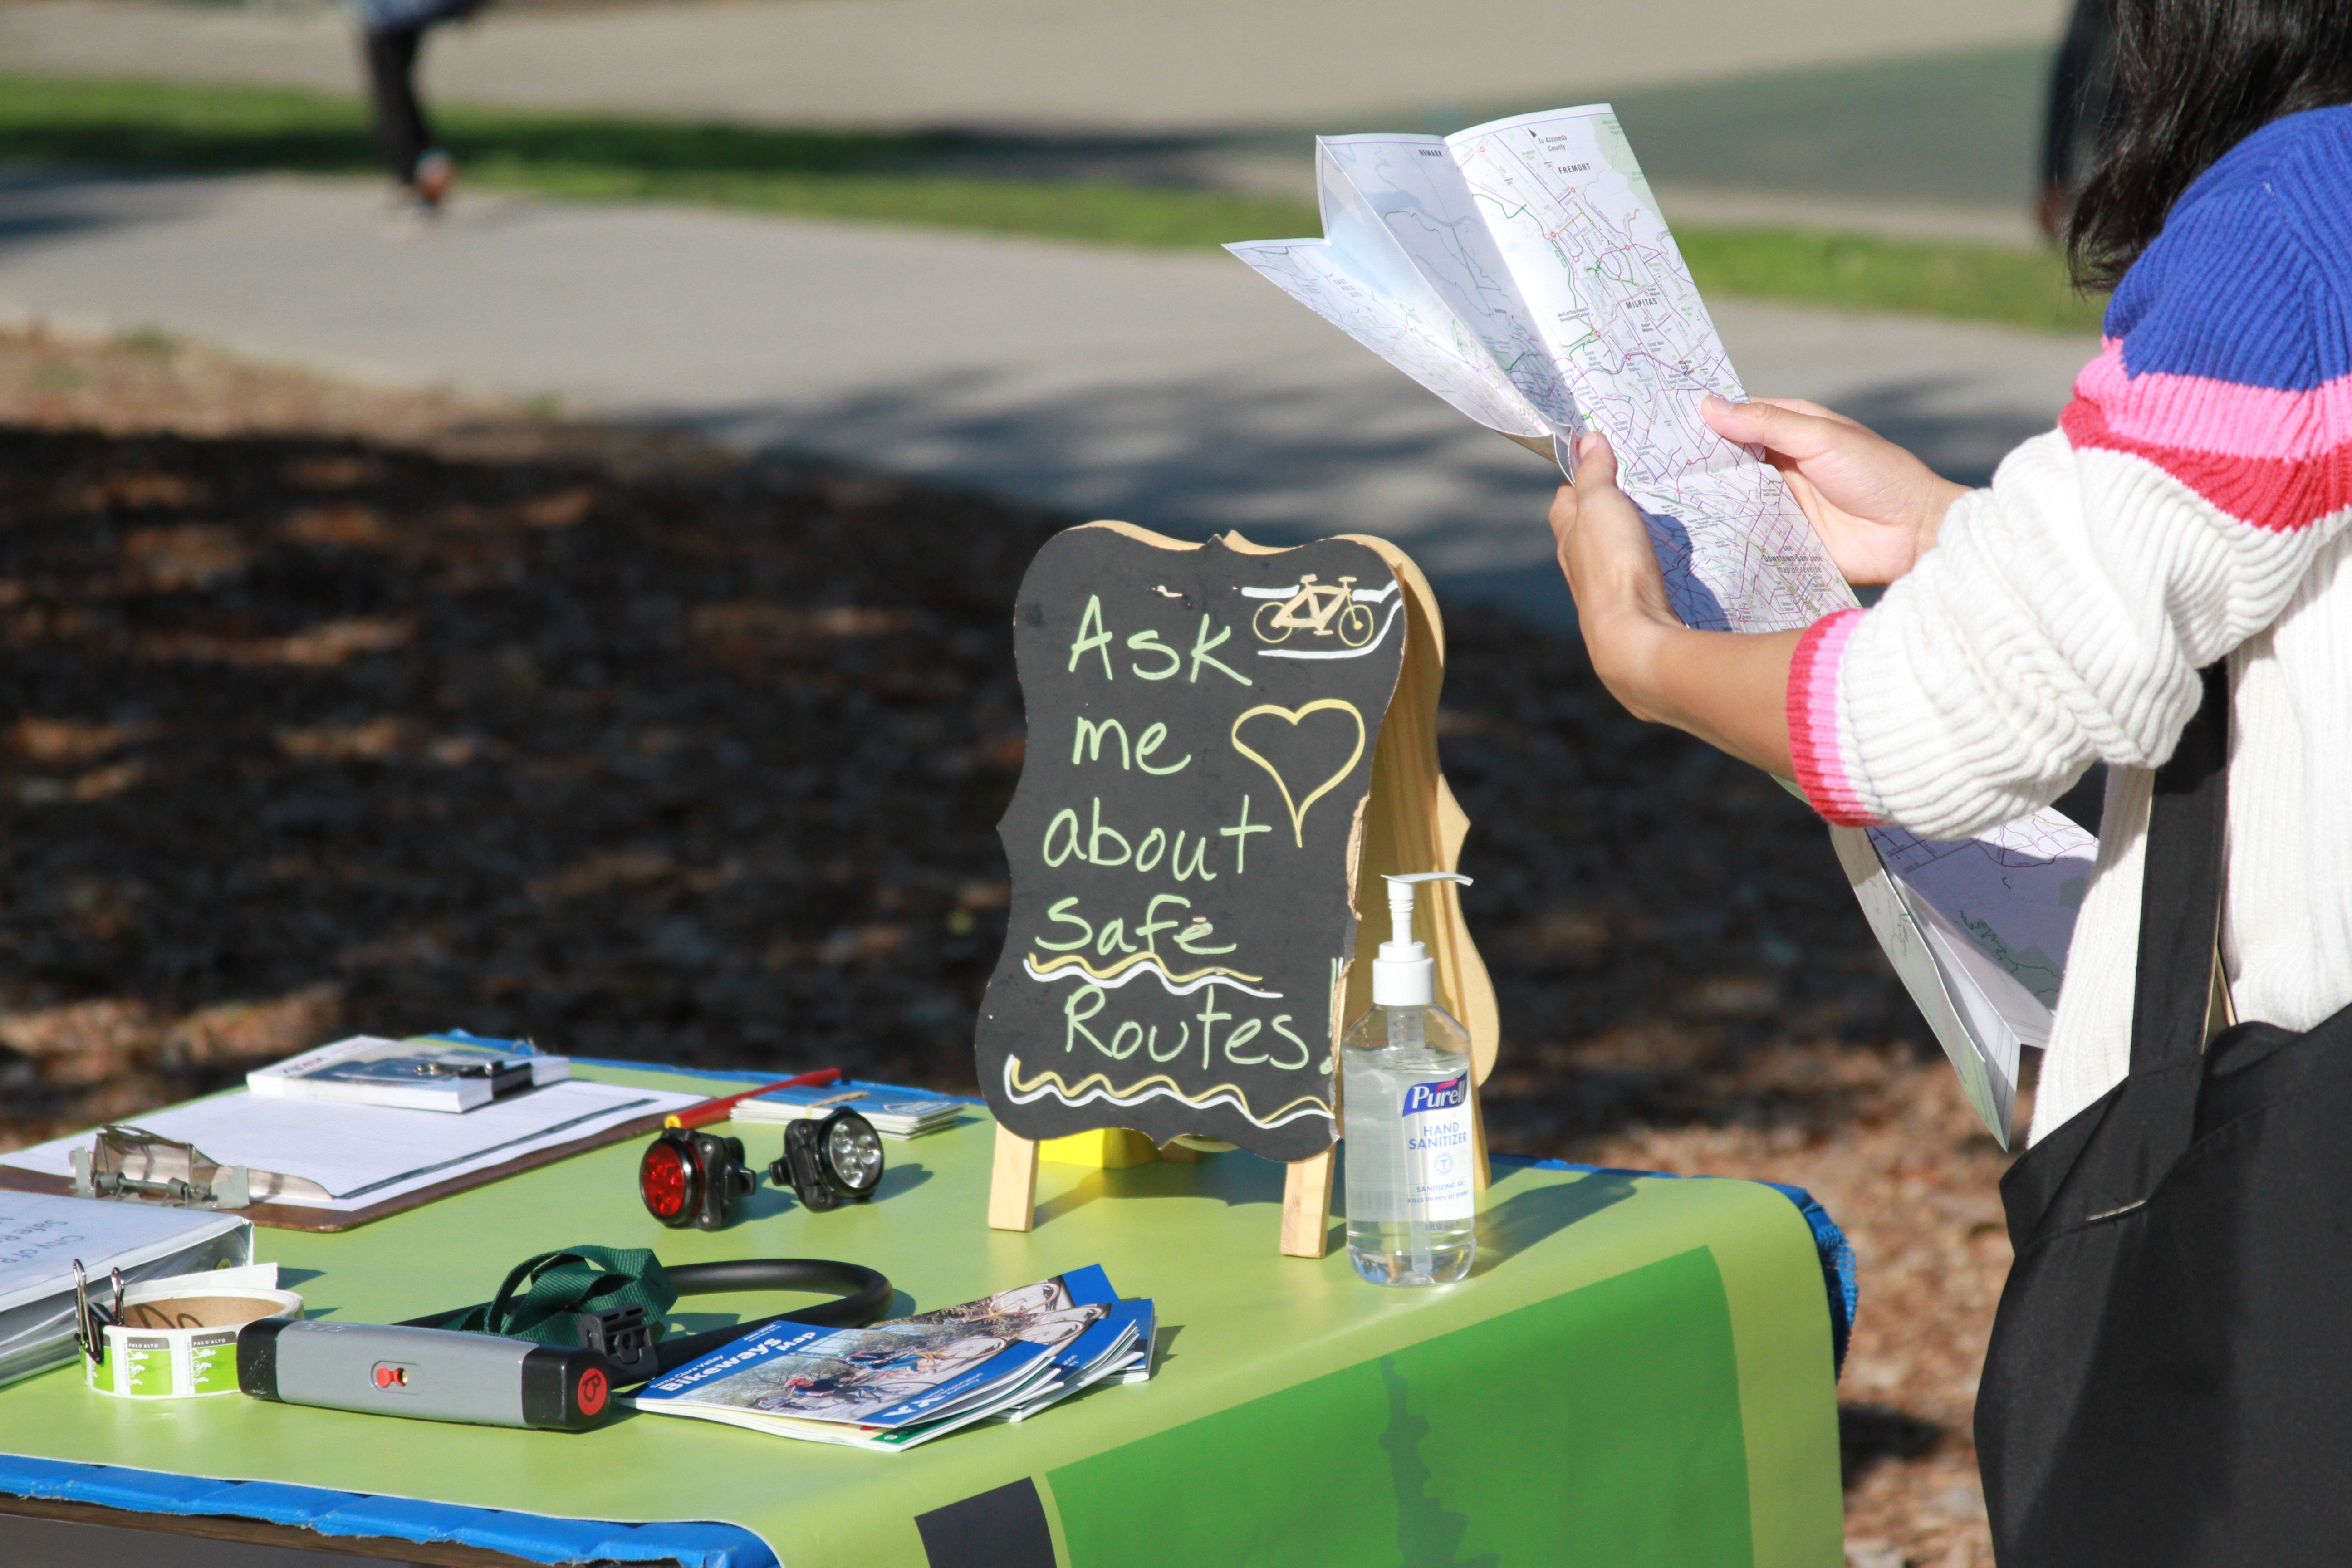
(331, 709)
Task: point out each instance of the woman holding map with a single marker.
(2161, 584)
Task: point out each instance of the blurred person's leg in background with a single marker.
(392, 34)
(401, 133)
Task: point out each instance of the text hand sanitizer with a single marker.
(1406, 1094)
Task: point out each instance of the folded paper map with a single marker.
(1522, 272)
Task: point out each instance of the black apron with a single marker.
(2169, 1380)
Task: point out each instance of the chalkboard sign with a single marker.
(1184, 842)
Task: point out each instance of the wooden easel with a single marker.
(1410, 823)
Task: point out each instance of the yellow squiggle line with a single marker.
(1048, 1081)
(1114, 980)
(1151, 958)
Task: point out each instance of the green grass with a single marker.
(1910, 276)
(913, 179)
(870, 177)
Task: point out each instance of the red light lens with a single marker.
(591, 1392)
(663, 1180)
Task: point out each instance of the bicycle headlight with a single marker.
(830, 1163)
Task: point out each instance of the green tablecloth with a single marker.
(1637, 1372)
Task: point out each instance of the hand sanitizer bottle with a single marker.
(1406, 1094)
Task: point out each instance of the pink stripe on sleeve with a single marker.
(2220, 418)
(1814, 741)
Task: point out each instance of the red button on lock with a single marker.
(389, 1376)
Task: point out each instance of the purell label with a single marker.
(1444, 1094)
(1437, 1151)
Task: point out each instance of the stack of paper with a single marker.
(892, 1385)
(895, 1112)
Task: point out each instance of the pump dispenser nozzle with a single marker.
(1404, 975)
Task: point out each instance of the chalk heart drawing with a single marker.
(1291, 716)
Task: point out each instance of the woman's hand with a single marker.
(1875, 506)
(1612, 571)
(1730, 691)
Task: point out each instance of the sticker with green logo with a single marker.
(147, 1361)
(211, 1360)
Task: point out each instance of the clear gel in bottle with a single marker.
(1405, 1087)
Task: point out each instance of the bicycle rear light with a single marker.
(690, 1178)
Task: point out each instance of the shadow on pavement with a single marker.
(1197, 456)
(39, 204)
(1965, 447)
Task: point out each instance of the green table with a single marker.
(1638, 1371)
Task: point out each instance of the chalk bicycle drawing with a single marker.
(1314, 608)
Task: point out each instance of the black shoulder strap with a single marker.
(2107, 1159)
(2180, 895)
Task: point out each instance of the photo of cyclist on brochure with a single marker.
(860, 1372)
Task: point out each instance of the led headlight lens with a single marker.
(852, 1153)
(830, 1163)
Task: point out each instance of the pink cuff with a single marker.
(1815, 743)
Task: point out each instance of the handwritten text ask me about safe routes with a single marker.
(1252, 1040)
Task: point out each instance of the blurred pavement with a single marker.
(1135, 65)
(1841, 113)
(1176, 391)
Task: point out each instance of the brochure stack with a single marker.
(894, 1385)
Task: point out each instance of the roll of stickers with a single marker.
(178, 1336)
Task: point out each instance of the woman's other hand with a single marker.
(1728, 691)
(1612, 571)
(1875, 506)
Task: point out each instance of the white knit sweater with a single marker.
(2193, 506)
(2063, 615)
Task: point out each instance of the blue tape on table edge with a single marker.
(536, 1537)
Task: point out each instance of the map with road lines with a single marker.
(1522, 272)
(1975, 882)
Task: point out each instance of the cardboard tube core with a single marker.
(199, 1312)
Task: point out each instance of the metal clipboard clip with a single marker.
(139, 1166)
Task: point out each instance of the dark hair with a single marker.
(2194, 77)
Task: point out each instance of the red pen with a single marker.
(719, 1110)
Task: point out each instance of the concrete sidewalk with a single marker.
(1181, 392)
(1848, 114)
(1030, 65)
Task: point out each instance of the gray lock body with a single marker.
(431, 1374)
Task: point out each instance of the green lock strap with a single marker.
(556, 1284)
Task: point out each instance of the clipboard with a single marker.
(298, 1217)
